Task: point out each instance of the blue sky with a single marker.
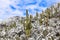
(10, 8)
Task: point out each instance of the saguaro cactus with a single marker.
(58, 5)
(40, 20)
(27, 15)
(48, 13)
(31, 16)
(36, 16)
(51, 11)
(42, 16)
(27, 24)
(46, 21)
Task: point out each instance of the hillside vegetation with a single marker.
(42, 26)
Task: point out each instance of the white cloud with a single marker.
(17, 12)
(4, 3)
(31, 6)
(57, 1)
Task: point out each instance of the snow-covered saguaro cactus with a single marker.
(28, 25)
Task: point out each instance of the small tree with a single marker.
(13, 25)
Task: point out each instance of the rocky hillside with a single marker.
(43, 26)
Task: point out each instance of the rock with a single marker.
(31, 39)
(23, 37)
